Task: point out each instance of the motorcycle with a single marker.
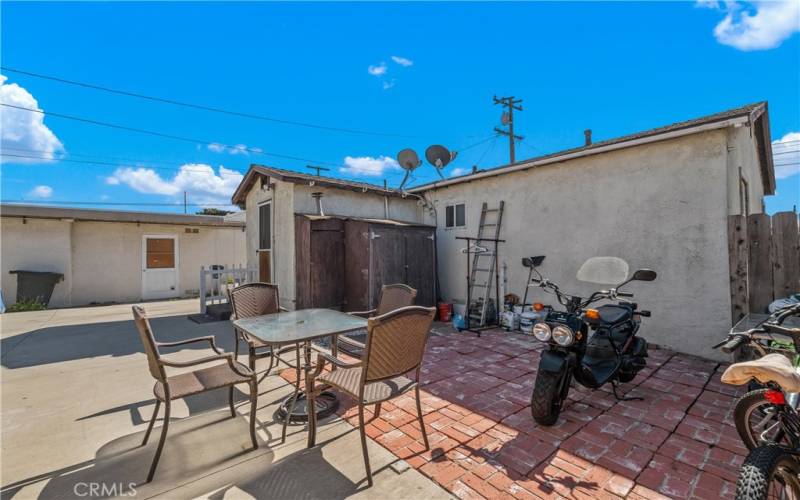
(612, 353)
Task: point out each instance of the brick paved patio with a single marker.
(679, 442)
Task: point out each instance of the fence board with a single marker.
(738, 259)
(786, 254)
(759, 261)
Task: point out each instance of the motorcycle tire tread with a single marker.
(755, 475)
(545, 389)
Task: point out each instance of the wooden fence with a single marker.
(764, 255)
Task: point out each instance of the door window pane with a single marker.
(160, 253)
(264, 226)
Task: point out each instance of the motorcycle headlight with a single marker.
(541, 331)
(563, 335)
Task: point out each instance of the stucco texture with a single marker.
(102, 261)
(662, 206)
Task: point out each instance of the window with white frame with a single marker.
(455, 215)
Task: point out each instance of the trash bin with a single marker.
(36, 285)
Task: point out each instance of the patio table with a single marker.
(301, 327)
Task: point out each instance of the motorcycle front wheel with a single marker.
(549, 392)
(757, 420)
(769, 471)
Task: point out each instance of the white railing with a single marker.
(215, 280)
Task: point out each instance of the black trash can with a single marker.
(36, 285)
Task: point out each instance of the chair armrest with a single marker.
(208, 339)
(198, 361)
(352, 342)
(282, 309)
(363, 314)
(323, 357)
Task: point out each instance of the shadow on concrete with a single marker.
(115, 338)
(207, 455)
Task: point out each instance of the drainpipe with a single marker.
(385, 202)
(318, 199)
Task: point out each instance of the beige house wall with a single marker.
(102, 261)
(662, 205)
(743, 165)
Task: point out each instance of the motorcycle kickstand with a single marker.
(624, 398)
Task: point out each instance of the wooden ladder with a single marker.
(484, 264)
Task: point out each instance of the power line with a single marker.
(114, 203)
(202, 107)
(163, 135)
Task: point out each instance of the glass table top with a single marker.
(298, 326)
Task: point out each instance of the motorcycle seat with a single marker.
(612, 313)
(771, 368)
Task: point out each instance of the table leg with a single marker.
(294, 396)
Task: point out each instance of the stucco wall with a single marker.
(36, 245)
(743, 161)
(661, 206)
(103, 260)
(355, 204)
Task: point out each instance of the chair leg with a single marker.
(235, 345)
(161, 441)
(361, 429)
(253, 405)
(230, 400)
(421, 421)
(251, 355)
(152, 421)
(377, 410)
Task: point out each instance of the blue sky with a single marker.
(616, 68)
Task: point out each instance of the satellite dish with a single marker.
(408, 159)
(439, 157)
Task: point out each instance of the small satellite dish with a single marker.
(439, 157)
(408, 159)
(505, 118)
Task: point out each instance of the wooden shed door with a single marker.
(327, 263)
(387, 259)
(420, 273)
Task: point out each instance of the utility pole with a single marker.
(508, 119)
(184, 202)
(314, 167)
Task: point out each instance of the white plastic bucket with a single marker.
(527, 320)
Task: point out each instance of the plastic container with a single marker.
(521, 309)
(509, 320)
(445, 311)
(527, 320)
(458, 322)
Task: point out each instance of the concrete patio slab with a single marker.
(76, 396)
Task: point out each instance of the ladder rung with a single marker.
(487, 224)
(482, 269)
(479, 285)
(492, 210)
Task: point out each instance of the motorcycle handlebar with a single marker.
(736, 342)
(624, 294)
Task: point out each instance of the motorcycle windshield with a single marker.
(603, 270)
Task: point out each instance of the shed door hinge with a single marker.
(372, 235)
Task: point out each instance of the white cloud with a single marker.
(458, 171)
(202, 184)
(377, 70)
(234, 150)
(402, 61)
(41, 192)
(756, 25)
(786, 155)
(368, 166)
(388, 85)
(24, 130)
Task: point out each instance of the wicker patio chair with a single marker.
(168, 388)
(255, 299)
(392, 297)
(394, 348)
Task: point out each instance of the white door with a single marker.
(159, 266)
